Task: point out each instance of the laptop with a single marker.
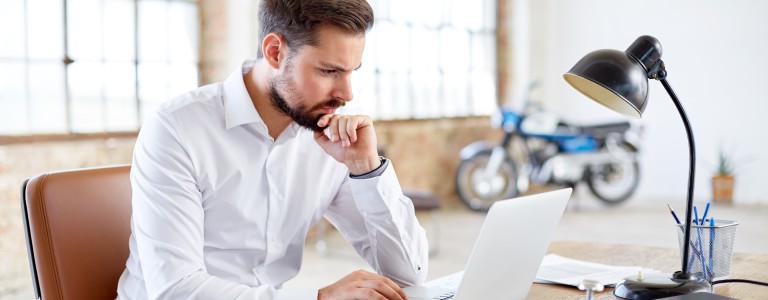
(509, 249)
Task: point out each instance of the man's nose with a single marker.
(342, 89)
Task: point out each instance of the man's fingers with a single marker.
(343, 134)
(383, 288)
(352, 130)
(340, 128)
(395, 287)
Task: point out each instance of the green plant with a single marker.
(725, 164)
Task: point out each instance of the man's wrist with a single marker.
(361, 167)
(373, 173)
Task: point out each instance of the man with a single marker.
(227, 180)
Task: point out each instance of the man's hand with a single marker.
(352, 141)
(362, 285)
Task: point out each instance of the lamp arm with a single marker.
(691, 175)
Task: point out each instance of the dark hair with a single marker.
(297, 20)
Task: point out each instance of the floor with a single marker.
(638, 222)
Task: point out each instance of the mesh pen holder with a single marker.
(711, 248)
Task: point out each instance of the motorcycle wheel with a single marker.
(480, 193)
(616, 182)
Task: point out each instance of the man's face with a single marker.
(316, 80)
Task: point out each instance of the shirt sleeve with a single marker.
(167, 223)
(379, 222)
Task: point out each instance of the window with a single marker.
(428, 59)
(92, 65)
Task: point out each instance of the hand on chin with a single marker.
(351, 140)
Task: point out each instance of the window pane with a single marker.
(395, 101)
(182, 78)
(118, 30)
(183, 32)
(483, 51)
(489, 15)
(454, 50)
(455, 95)
(364, 93)
(425, 49)
(400, 11)
(13, 115)
(153, 30)
(120, 92)
(86, 86)
(84, 24)
(12, 33)
(467, 14)
(426, 12)
(483, 83)
(392, 45)
(426, 93)
(153, 86)
(45, 23)
(46, 98)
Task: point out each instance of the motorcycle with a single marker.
(550, 151)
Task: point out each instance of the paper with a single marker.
(562, 270)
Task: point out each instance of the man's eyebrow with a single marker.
(337, 67)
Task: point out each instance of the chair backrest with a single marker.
(77, 225)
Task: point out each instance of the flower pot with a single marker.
(722, 188)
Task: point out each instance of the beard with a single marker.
(298, 113)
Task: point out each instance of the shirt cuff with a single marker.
(375, 172)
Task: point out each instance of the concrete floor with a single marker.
(637, 222)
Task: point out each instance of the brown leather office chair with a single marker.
(77, 225)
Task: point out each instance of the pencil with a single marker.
(673, 214)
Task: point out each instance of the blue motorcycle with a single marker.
(539, 148)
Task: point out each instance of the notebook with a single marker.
(507, 253)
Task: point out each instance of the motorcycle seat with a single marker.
(602, 130)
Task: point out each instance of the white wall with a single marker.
(716, 54)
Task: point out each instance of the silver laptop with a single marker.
(508, 251)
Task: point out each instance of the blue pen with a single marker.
(704, 217)
(695, 215)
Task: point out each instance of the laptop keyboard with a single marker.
(448, 282)
(446, 296)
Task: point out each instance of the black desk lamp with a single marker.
(619, 80)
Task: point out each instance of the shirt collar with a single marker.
(238, 107)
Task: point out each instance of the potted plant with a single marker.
(723, 180)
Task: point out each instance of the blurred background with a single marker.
(77, 78)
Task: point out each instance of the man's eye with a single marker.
(327, 72)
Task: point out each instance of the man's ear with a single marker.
(274, 48)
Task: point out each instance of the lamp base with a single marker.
(655, 286)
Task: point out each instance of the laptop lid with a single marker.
(511, 245)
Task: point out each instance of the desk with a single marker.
(743, 265)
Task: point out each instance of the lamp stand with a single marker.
(680, 282)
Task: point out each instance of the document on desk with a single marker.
(562, 270)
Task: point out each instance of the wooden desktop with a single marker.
(751, 266)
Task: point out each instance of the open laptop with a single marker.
(508, 251)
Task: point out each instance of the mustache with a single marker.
(332, 103)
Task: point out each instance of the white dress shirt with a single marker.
(221, 210)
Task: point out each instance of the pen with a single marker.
(673, 214)
(704, 217)
(695, 215)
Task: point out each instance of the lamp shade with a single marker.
(617, 80)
